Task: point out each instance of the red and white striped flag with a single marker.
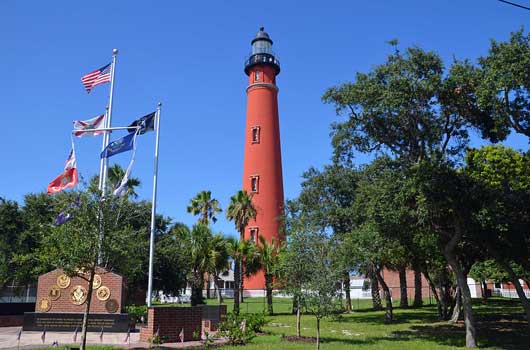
(81, 125)
(99, 76)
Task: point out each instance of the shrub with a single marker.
(255, 322)
(231, 328)
(136, 312)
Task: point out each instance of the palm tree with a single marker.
(219, 256)
(201, 259)
(241, 210)
(116, 174)
(236, 249)
(205, 206)
(268, 257)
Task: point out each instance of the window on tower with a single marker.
(257, 75)
(253, 237)
(254, 184)
(255, 134)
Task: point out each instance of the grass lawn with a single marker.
(500, 325)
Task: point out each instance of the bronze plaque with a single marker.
(45, 304)
(54, 293)
(111, 306)
(78, 295)
(103, 293)
(96, 283)
(63, 281)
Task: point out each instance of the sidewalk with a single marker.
(32, 340)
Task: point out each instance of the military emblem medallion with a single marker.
(54, 293)
(103, 293)
(96, 283)
(45, 304)
(78, 295)
(63, 281)
(111, 306)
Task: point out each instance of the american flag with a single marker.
(99, 76)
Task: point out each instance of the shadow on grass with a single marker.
(509, 335)
(378, 317)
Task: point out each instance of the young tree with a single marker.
(326, 200)
(320, 292)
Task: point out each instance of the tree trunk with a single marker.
(298, 318)
(457, 307)
(376, 298)
(219, 290)
(346, 283)
(471, 340)
(241, 281)
(418, 288)
(88, 301)
(389, 314)
(236, 286)
(403, 300)
(268, 286)
(520, 292)
(196, 289)
(208, 286)
(434, 293)
(318, 333)
(483, 289)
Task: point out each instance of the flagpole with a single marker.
(153, 211)
(108, 120)
(103, 139)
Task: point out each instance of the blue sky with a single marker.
(189, 55)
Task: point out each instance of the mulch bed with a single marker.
(294, 338)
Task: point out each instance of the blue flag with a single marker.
(121, 145)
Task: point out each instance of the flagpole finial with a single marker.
(115, 51)
(159, 104)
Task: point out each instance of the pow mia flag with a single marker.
(146, 123)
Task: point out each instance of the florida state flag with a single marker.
(68, 178)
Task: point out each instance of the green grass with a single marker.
(500, 325)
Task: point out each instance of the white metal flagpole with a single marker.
(102, 161)
(108, 119)
(153, 211)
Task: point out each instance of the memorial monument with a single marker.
(61, 302)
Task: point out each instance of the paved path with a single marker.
(32, 340)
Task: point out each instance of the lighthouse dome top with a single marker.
(262, 35)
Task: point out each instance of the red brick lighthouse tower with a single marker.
(262, 171)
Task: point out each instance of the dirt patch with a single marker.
(294, 338)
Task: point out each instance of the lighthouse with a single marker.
(262, 169)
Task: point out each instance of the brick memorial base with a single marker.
(170, 321)
(61, 302)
